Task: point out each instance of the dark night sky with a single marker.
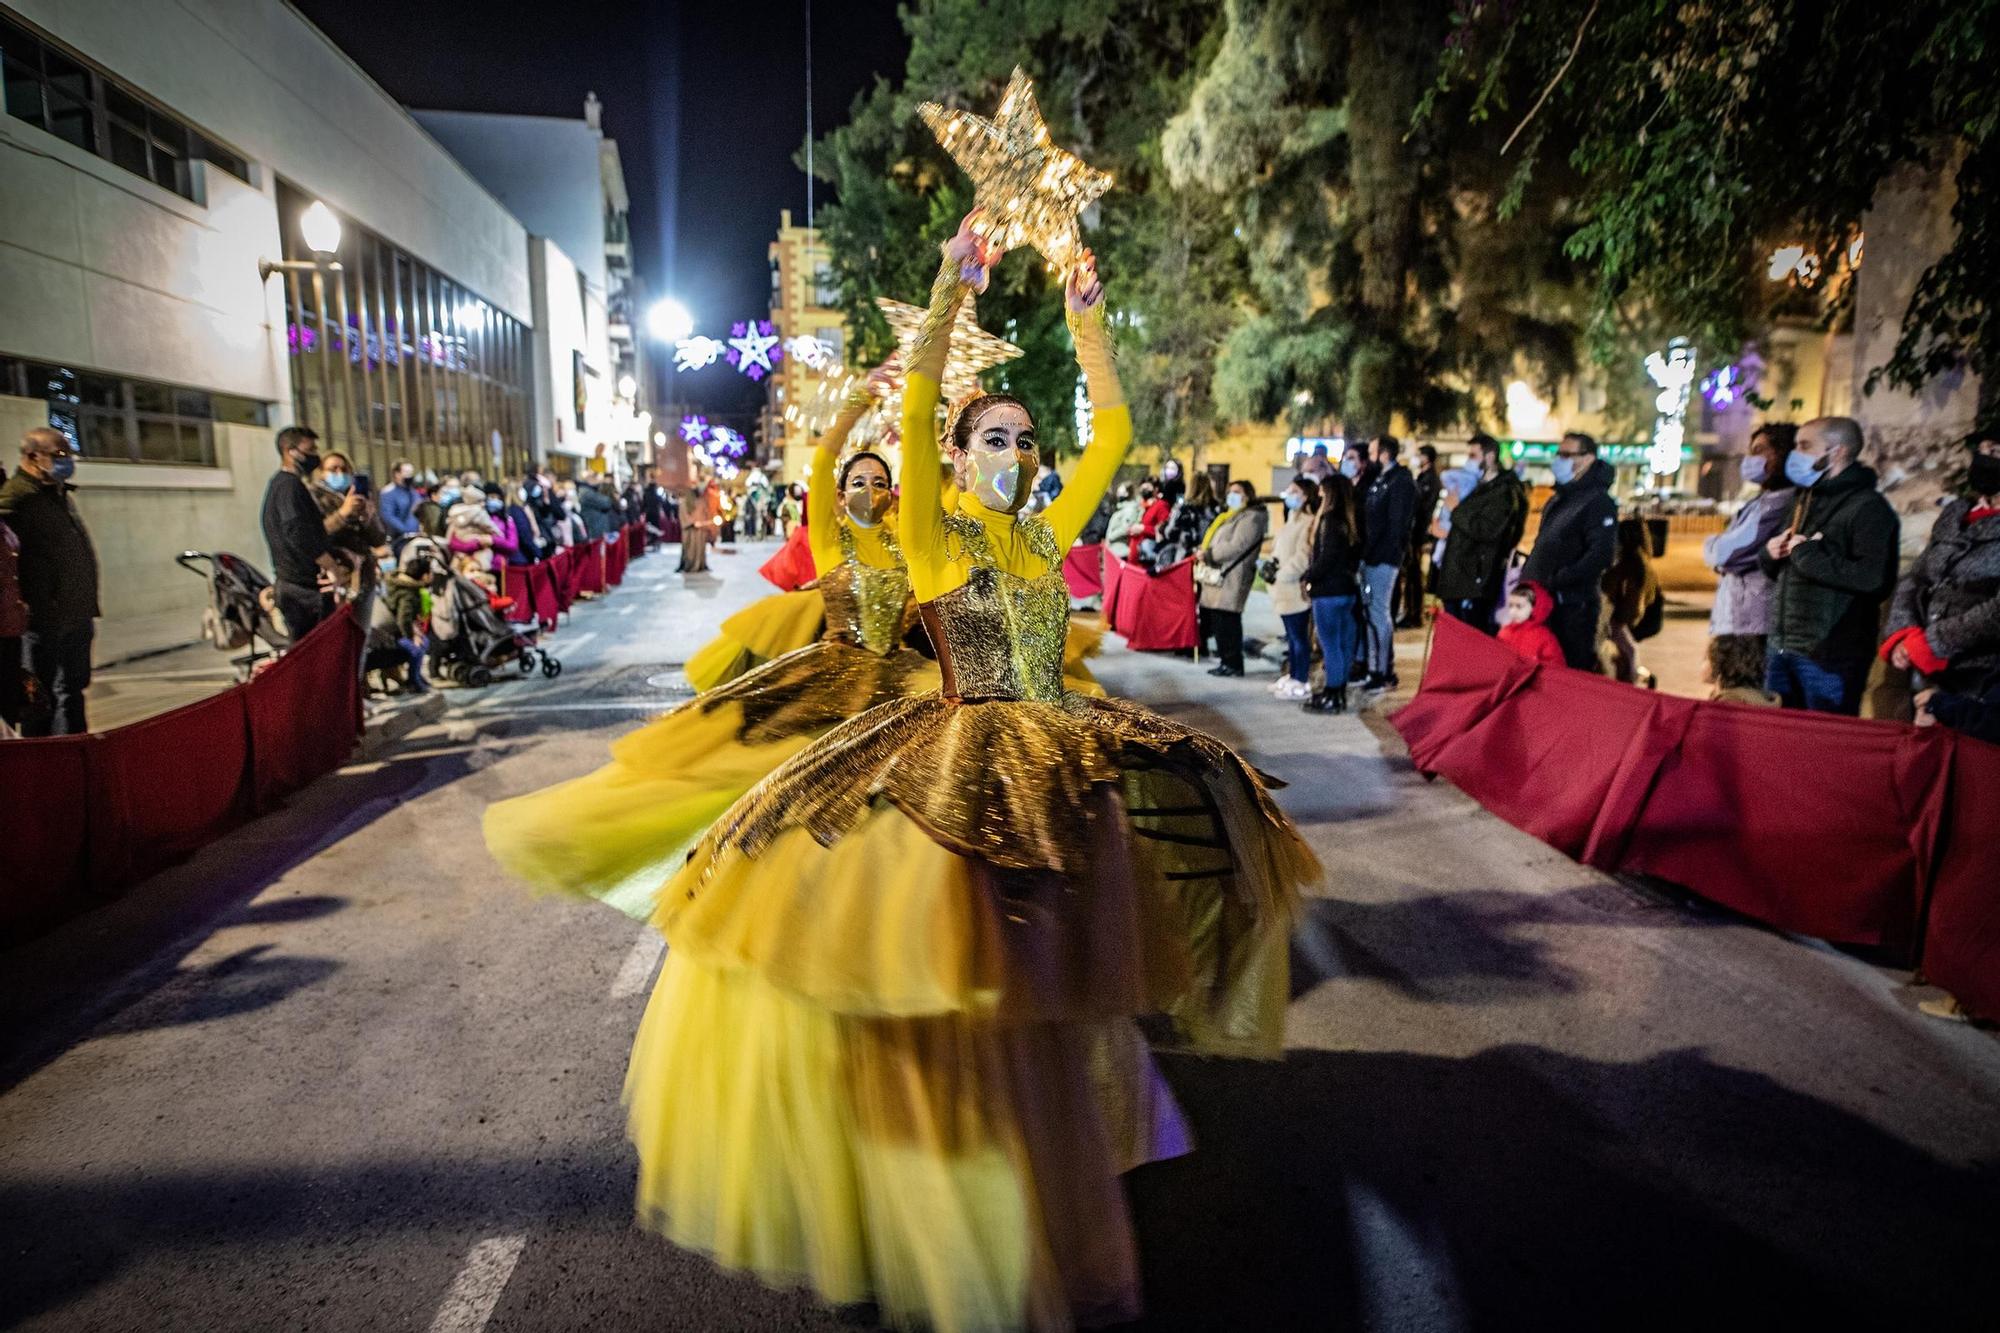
(707, 103)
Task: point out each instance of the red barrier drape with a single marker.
(635, 541)
(1083, 570)
(1156, 612)
(1114, 577)
(115, 806)
(792, 567)
(615, 546)
(1716, 797)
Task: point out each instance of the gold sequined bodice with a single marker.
(866, 606)
(998, 635)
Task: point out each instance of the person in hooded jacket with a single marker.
(1578, 537)
(1944, 623)
(1525, 627)
(1835, 564)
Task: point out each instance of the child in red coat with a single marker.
(1525, 627)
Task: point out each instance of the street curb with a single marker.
(392, 724)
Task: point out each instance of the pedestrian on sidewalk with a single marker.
(1834, 564)
(1944, 624)
(1225, 570)
(1410, 593)
(58, 581)
(1486, 527)
(1578, 537)
(1332, 582)
(1743, 590)
(398, 505)
(1291, 553)
(303, 569)
(1388, 508)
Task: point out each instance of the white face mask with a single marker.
(1756, 468)
(1235, 500)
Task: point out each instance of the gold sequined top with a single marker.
(867, 606)
(998, 635)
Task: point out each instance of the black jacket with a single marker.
(1389, 505)
(1828, 601)
(1975, 713)
(1952, 593)
(1332, 561)
(1485, 529)
(1579, 536)
(1429, 486)
(58, 562)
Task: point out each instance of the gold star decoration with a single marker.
(1030, 191)
(974, 351)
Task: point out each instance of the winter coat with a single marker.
(1429, 486)
(1952, 594)
(1153, 520)
(1485, 529)
(13, 607)
(1233, 550)
(1742, 588)
(598, 511)
(1830, 590)
(355, 541)
(1579, 536)
(1532, 638)
(1291, 550)
(1389, 507)
(1974, 712)
(1124, 519)
(1333, 561)
(58, 568)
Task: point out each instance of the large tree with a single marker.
(1388, 281)
(1108, 75)
(1700, 137)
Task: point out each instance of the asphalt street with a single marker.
(336, 1072)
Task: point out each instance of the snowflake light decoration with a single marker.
(694, 430)
(1673, 371)
(727, 443)
(753, 348)
(697, 352)
(809, 351)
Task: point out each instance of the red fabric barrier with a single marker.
(587, 569)
(1156, 612)
(1114, 576)
(635, 541)
(792, 567)
(615, 547)
(113, 807)
(1709, 796)
(1083, 570)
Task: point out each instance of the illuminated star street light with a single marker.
(753, 348)
(1030, 190)
(694, 430)
(694, 353)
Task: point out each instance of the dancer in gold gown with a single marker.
(617, 833)
(892, 1054)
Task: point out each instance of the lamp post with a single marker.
(320, 227)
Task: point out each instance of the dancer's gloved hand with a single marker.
(975, 255)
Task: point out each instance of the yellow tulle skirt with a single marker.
(618, 833)
(894, 1053)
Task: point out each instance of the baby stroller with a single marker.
(235, 616)
(470, 640)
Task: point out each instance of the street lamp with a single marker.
(669, 320)
(627, 386)
(320, 227)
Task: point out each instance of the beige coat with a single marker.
(1293, 550)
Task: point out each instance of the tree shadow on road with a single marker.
(1522, 1188)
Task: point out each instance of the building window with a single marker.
(826, 288)
(112, 419)
(82, 105)
(392, 359)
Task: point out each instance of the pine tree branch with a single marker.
(1576, 46)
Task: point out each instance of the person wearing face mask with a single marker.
(57, 573)
(1834, 563)
(1225, 569)
(915, 953)
(1290, 553)
(1573, 549)
(1742, 589)
(616, 833)
(1944, 622)
(353, 528)
(1388, 509)
(302, 558)
(470, 533)
(1486, 527)
(1155, 512)
(399, 502)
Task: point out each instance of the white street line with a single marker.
(477, 1288)
(568, 645)
(627, 609)
(637, 969)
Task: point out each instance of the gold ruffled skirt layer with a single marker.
(894, 1055)
(618, 833)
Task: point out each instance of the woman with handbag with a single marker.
(1226, 569)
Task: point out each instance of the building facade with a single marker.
(146, 168)
(803, 297)
(563, 179)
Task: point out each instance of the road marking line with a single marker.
(571, 645)
(476, 1289)
(637, 969)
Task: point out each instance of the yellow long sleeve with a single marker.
(822, 504)
(923, 502)
(1110, 430)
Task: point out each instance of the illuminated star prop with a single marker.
(973, 350)
(753, 348)
(694, 429)
(1030, 190)
(694, 353)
